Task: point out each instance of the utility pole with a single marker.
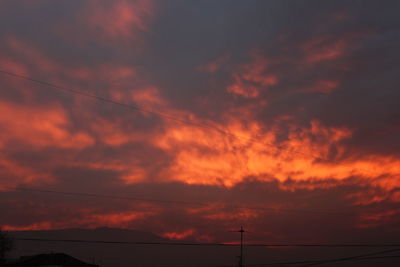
(241, 246)
(241, 258)
(241, 231)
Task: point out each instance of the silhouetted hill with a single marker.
(122, 255)
(119, 255)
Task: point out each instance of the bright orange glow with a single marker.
(179, 235)
(35, 226)
(208, 157)
(153, 116)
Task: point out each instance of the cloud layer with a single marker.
(264, 111)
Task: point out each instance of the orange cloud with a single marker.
(370, 220)
(179, 235)
(237, 215)
(148, 97)
(88, 218)
(251, 78)
(324, 48)
(209, 157)
(119, 18)
(34, 226)
(112, 133)
(47, 126)
(118, 219)
(130, 167)
(35, 128)
(14, 174)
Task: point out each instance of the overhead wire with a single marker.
(149, 111)
(136, 107)
(367, 256)
(310, 261)
(357, 257)
(163, 115)
(205, 126)
(176, 202)
(211, 244)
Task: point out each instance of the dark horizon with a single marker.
(123, 247)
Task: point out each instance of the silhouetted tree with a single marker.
(6, 244)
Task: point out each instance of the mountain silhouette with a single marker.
(123, 255)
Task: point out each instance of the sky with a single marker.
(280, 116)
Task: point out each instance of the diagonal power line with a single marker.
(149, 111)
(311, 261)
(357, 257)
(161, 115)
(368, 256)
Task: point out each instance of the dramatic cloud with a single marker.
(278, 115)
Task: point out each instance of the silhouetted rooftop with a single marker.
(53, 259)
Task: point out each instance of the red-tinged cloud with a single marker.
(7, 63)
(91, 220)
(216, 64)
(324, 48)
(35, 226)
(119, 19)
(322, 86)
(28, 59)
(40, 127)
(371, 220)
(179, 235)
(307, 122)
(113, 134)
(14, 174)
(149, 98)
(321, 49)
(30, 56)
(209, 157)
(35, 128)
(251, 78)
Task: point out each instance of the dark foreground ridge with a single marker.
(51, 259)
(130, 250)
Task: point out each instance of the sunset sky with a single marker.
(281, 116)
